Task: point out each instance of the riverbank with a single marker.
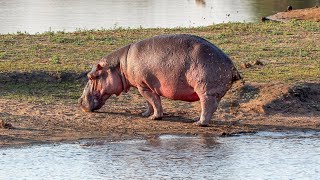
(308, 14)
(41, 77)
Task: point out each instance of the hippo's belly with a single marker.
(186, 97)
(178, 93)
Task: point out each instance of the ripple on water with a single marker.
(265, 155)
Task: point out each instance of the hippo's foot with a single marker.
(201, 124)
(153, 117)
(209, 105)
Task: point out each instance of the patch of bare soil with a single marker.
(310, 14)
(246, 108)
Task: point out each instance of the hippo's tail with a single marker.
(235, 75)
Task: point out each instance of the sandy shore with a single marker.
(310, 14)
(246, 108)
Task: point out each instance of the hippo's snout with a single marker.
(85, 105)
(89, 103)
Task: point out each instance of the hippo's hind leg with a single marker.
(149, 110)
(209, 104)
(154, 100)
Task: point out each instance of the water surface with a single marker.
(35, 16)
(293, 155)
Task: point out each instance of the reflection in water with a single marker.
(183, 142)
(259, 156)
(44, 15)
(160, 157)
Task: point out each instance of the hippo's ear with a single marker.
(95, 72)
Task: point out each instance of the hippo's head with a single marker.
(103, 82)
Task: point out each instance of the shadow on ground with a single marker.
(270, 99)
(41, 76)
(41, 85)
(299, 99)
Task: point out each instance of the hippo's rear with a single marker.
(179, 67)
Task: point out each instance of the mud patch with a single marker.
(299, 99)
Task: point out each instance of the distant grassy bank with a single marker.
(50, 64)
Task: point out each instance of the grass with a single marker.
(290, 52)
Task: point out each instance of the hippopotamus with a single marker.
(179, 67)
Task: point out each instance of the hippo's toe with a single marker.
(153, 117)
(201, 124)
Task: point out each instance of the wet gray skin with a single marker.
(179, 67)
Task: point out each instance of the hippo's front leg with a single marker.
(209, 104)
(154, 100)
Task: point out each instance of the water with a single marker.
(34, 16)
(293, 155)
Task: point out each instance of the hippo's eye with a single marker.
(91, 77)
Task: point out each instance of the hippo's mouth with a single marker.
(97, 104)
(90, 104)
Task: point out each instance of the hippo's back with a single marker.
(175, 65)
(177, 49)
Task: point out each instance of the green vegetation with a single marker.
(290, 53)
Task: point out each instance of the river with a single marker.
(34, 16)
(264, 155)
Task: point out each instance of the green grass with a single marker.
(290, 52)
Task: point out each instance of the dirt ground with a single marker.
(246, 108)
(311, 14)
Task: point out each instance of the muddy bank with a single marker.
(246, 108)
(309, 14)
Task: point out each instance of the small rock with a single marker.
(264, 19)
(259, 63)
(224, 134)
(245, 65)
(4, 125)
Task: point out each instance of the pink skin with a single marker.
(179, 67)
(102, 84)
